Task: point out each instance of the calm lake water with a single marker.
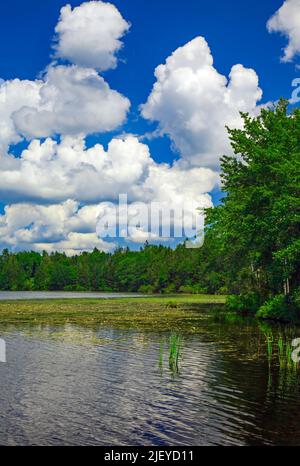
(73, 385)
(28, 295)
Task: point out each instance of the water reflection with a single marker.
(75, 385)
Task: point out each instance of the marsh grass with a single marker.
(161, 356)
(172, 305)
(269, 341)
(280, 346)
(152, 314)
(173, 346)
(281, 353)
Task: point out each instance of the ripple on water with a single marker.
(120, 390)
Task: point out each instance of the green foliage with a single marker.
(175, 346)
(193, 289)
(152, 269)
(146, 289)
(172, 305)
(255, 230)
(281, 308)
(246, 304)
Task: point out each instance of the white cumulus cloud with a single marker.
(69, 100)
(53, 172)
(28, 226)
(89, 35)
(193, 102)
(14, 95)
(286, 21)
(56, 192)
(50, 172)
(73, 99)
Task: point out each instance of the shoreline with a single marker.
(12, 296)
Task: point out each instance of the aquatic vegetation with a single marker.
(173, 345)
(283, 371)
(185, 313)
(172, 305)
(161, 356)
(221, 315)
(270, 341)
(279, 345)
(285, 352)
(288, 356)
(281, 351)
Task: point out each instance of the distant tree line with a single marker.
(152, 269)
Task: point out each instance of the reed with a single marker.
(174, 352)
(281, 352)
(161, 356)
(283, 345)
(289, 359)
(269, 340)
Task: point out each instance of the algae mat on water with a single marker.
(159, 313)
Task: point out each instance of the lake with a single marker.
(77, 385)
(32, 295)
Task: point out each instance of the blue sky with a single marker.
(236, 33)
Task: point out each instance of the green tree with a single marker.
(12, 276)
(257, 226)
(43, 273)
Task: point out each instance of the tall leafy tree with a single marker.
(257, 225)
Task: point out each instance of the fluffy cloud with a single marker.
(76, 243)
(49, 228)
(74, 99)
(69, 100)
(71, 228)
(15, 95)
(51, 172)
(173, 184)
(287, 22)
(58, 191)
(89, 35)
(193, 102)
(153, 221)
